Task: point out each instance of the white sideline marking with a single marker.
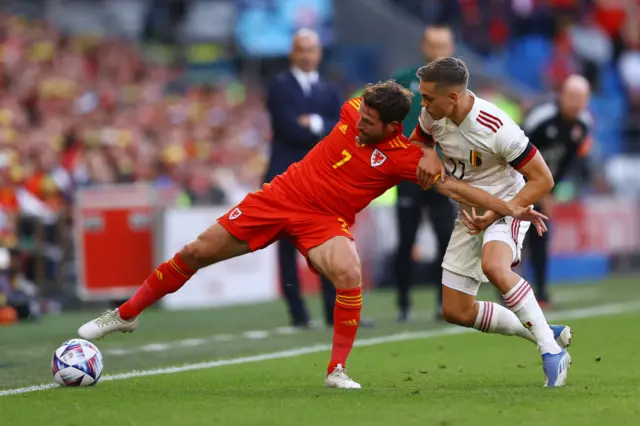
(591, 312)
(256, 334)
(286, 330)
(192, 342)
(154, 347)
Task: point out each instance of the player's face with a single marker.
(371, 129)
(439, 102)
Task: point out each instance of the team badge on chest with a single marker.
(377, 158)
(475, 158)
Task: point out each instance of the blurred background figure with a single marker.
(18, 296)
(303, 109)
(561, 129)
(412, 201)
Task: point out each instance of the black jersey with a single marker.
(558, 139)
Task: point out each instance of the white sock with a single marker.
(521, 300)
(493, 318)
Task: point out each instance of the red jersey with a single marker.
(341, 176)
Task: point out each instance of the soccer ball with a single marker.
(77, 362)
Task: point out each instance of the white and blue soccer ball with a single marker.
(77, 362)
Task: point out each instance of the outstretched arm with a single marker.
(474, 197)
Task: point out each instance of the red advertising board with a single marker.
(115, 237)
(602, 225)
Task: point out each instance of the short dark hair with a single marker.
(445, 72)
(390, 99)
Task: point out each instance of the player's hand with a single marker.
(429, 168)
(541, 227)
(528, 214)
(476, 224)
(305, 120)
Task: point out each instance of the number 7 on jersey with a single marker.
(346, 157)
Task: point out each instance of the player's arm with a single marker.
(421, 138)
(457, 190)
(474, 197)
(516, 148)
(431, 166)
(539, 179)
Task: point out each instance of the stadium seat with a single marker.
(527, 59)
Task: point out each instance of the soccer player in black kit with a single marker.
(560, 129)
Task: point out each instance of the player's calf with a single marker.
(213, 245)
(459, 298)
(338, 260)
(459, 314)
(497, 257)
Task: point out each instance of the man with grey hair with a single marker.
(303, 109)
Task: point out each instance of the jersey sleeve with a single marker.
(349, 112)
(406, 163)
(513, 145)
(423, 129)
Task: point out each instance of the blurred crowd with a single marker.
(599, 39)
(585, 33)
(77, 111)
(81, 111)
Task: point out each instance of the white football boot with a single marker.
(107, 323)
(339, 379)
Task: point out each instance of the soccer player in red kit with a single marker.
(314, 204)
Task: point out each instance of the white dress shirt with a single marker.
(306, 80)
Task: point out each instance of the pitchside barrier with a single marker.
(122, 232)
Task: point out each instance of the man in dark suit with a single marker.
(303, 110)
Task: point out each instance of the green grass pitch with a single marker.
(421, 373)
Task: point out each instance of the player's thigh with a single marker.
(327, 244)
(214, 245)
(337, 259)
(258, 220)
(463, 257)
(502, 245)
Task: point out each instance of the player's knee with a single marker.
(458, 316)
(203, 251)
(347, 276)
(496, 271)
(196, 254)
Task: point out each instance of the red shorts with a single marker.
(266, 216)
